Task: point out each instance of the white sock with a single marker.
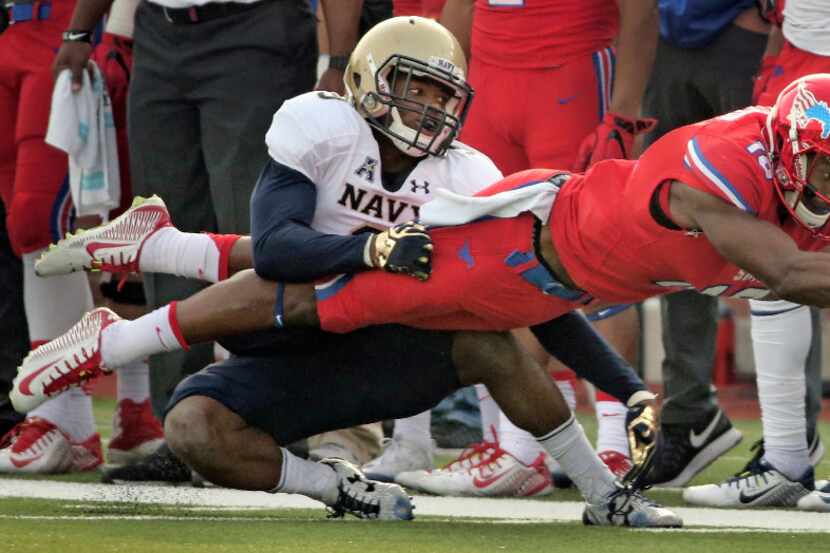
(71, 412)
(185, 254)
(308, 478)
(125, 342)
(134, 381)
(611, 427)
(519, 443)
(489, 413)
(566, 386)
(52, 306)
(569, 445)
(415, 429)
(781, 335)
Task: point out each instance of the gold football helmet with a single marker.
(380, 69)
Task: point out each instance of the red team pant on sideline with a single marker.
(32, 174)
(483, 279)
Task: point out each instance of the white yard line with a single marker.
(517, 510)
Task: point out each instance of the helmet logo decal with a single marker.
(445, 65)
(807, 108)
(820, 112)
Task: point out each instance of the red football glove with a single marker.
(762, 78)
(612, 139)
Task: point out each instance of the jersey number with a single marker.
(717, 290)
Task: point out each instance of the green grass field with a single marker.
(69, 526)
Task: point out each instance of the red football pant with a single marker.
(791, 64)
(537, 118)
(476, 284)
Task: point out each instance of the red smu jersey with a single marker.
(533, 34)
(607, 230)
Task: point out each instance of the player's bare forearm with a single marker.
(636, 47)
(88, 13)
(457, 16)
(342, 21)
(759, 247)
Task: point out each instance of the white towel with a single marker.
(449, 208)
(81, 124)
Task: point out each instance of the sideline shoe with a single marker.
(628, 507)
(114, 247)
(160, 467)
(399, 455)
(69, 360)
(38, 446)
(618, 463)
(763, 486)
(685, 450)
(500, 475)
(470, 457)
(135, 432)
(363, 498)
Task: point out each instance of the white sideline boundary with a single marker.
(508, 510)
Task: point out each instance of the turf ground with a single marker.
(71, 513)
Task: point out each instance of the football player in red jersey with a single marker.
(559, 84)
(782, 331)
(736, 206)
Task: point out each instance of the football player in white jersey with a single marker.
(337, 167)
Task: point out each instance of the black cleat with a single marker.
(160, 467)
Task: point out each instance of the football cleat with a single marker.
(764, 486)
(685, 450)
(38, 446)
(815, 451)
(114, 247)
(818, 499)
(399, 455)
(160, 467)
(69, 360)
(617, 462)
(136, 433)
(628, 507)
(469, 458)
(363, 498)
(500, 475)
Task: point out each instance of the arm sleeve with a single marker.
(724, 169)
(573, 341)
(286, 248)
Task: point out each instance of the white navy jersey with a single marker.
(322, 136)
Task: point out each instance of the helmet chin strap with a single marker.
(811, 219)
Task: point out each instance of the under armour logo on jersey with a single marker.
(367, 170)
(415, 186)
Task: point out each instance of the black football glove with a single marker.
(404, 248)
(641, 429)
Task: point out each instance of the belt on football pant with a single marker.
(207, 12)
(20, 11)
(532, 267)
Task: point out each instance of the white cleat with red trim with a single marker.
(69, 360)
(38, 446)
(500, 475)
(114, 247)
